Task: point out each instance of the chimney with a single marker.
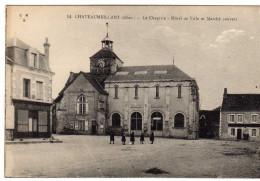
(71, 76)
(46, 51)
(225, 93)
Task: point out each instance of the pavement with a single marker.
(32, 141)
(93, 156)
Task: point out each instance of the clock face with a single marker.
(100, 63)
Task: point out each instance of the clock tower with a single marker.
(105, 61)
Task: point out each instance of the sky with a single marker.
(218, 54)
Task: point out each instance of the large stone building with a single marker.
(28, 90)
(159, 98)
(239, 116)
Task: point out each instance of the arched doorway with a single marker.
(136, 121)
(116, 120)
(156, 121)
(179, 120)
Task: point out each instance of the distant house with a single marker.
(239, 118)
(28, 91)
(209, 123)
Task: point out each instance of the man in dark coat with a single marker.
(132, 138)
(142, 138)
(152, 138)
(112, 138)
(123, 139)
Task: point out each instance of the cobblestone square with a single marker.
(93, 156)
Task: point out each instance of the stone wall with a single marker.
(66, 109)
(168, 104)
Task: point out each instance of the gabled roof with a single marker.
(91, 78)
(241, 102)
(148, 73)
(105, 53)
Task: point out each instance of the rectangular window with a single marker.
(82, 125)
(240, 118)
(253, 132)
(232, 118)
(39, 90)
(253, 118)
(42, 121)
(26, 88)
(233, 131)
(116, 92)
(34, 60)
(179, 91)
(23, 121)
(136, 92)
(157, 95)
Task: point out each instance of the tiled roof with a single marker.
(170, 73)
(97, 83)
(241, 102)
(105, 53)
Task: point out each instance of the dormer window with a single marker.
(34, 58)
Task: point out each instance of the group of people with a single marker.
(132, 138)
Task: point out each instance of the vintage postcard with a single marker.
(132, 91)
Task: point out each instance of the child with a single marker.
(112, 138)
(123, 139)
(142, 138)
(152, 138)
(132, 138)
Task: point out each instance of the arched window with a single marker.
(116, 92)
(136, 121)
(136, 92)
(179, 120)
(116, 119)
(179, 91)
(157, 121)
(157, 95)
(82, 105)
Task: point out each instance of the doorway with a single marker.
(94, 127)
(33, 123)
(239, 134)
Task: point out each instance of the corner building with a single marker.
(159, 98)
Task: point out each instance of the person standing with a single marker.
(152, 138)
(123, 139)
(112, 138)
(142, 138)
(132, 138)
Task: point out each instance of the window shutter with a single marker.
(77, 108)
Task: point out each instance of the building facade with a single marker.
(239, 116)
(28, 90)
(160, 99)
(81, 106)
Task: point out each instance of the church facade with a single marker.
(160, 98)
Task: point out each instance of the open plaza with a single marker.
(93, 156)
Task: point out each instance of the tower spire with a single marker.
(107, 42)
(107, 29)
